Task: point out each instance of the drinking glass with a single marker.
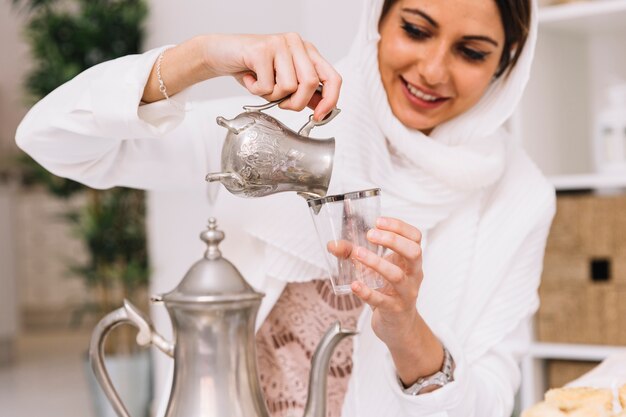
(342, 222)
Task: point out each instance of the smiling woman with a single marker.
(515, 18)
(436, 59)
(426, 88)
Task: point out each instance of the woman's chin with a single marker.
(415, 121)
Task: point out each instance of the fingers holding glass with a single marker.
(374, 298)
(399, 227)
(402, 285)
(401, 268)
(401, 239)
(341, 249)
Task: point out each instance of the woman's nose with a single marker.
(433, 65)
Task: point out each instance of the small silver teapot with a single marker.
(213, 312)
(262, 156)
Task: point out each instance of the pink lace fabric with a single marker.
(288, 337)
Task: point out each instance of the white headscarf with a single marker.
(435, 182)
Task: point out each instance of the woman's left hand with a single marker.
(394, 305)
(414, 348)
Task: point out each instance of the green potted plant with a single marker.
(66, 37)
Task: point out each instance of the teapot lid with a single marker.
(212, 279)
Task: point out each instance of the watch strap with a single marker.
(439, 378)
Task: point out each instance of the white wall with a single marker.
(14, 61)
(180, 216)
(8, 291)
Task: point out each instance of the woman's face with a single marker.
(437, 58)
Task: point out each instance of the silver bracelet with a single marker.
(162, 87)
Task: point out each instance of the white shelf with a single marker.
(591, 16)
(588, 182)
(533, 366)
(579, 54)
(572, 351)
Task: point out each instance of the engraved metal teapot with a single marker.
(213, 312)
(262, 156)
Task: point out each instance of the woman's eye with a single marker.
(413, 31)
(472, 54)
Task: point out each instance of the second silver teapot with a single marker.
(213, 312)
(262, 156)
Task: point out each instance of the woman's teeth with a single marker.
(419, 94)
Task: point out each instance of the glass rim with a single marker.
(352, 195)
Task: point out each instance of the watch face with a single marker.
(440, 378)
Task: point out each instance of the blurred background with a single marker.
(67, 256)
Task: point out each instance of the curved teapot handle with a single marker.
(129, 314)
(271, 104)
(265, 106)
(306, 129)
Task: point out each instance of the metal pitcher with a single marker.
(262, 156)
(213, 312)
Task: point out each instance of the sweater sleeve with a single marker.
(93, 129)
(484, 386)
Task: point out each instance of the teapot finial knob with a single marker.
(212, 237)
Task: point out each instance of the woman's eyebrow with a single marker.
(480, 38)
(418, 12)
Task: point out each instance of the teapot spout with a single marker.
(316, 399)
(219, 176)
(227, 124)
(236, 125)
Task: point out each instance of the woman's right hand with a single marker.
(275, 66)
(269, 66)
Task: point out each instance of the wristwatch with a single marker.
(440, 378)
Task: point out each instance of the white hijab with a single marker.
(436, 182)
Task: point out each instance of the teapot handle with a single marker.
(306, 129)
(271, 104)
(129, 314)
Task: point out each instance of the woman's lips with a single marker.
(420, 98)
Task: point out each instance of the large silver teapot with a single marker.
(213, 312)
(262, 156)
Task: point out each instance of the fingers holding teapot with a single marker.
(276, 66)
